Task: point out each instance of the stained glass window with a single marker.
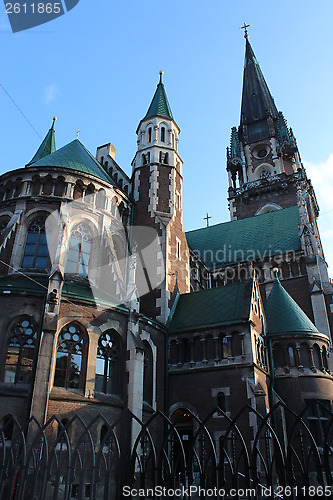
(36, 254)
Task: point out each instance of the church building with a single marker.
(107, 303)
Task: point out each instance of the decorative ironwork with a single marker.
(270, 456)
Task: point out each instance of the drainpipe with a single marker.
(271, 367)
(166, 374)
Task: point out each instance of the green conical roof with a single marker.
(48, 145)
(284, 316)
(75, 156)
(160, 105)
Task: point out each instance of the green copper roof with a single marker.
(17, 283)
(257, 101)
(159, 105)
(82, 291)
(218, 306)
(247, 239)
(48, 145)
(75, 156)
(284, 316)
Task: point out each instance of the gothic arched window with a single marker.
(305, 356)
(279, 356)
(224, 347)
(162, 134)
(325, 360)
(71, 351)
(36, 253)
(148, 375)
(100, 198)
(291, 354)
(114, 202)
(108, 377)
(79, 249)
(149, 134)
(317, 357)
(21, 352)
(221, 403)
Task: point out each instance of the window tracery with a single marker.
(69, 360)
(21, 352)
(36, 252)
(79, 250)
(108, 375)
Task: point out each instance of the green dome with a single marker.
(284, 316)
(74, 156)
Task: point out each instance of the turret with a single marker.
(158, 193)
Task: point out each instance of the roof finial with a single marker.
(77, 134)
(161, 75)
(207, 219)
(244, 27)
(54, 120)
(276, 273)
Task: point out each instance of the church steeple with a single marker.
(159, 105)
(257, 101)
(263, 151)
(158, 133)
(47, 146)
(158, 193)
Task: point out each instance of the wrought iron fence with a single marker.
(276, 455)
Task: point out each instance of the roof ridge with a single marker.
(230, 285)
(241, 220)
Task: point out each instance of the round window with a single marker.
(262, 153)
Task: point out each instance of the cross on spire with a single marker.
(244, 27)
(207, 219)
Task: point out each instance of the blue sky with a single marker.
(96, 68)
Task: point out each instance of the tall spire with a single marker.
(257, 101)
(47, 146)
(160, 105)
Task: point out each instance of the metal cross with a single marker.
(244, 27)
(207, 219)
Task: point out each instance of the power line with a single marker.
(20, 110)
(324, 213)
(34, 281)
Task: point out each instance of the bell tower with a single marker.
(158, 193)
(266, 174)
(263, 161)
